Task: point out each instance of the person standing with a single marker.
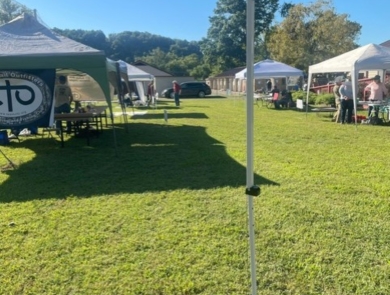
(176, 92)
(62, 99)
(346, 101)
(338, 81)
(269, 85)
(304, 87)
(377, 90)
(151, 93)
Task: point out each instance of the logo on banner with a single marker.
(24, 98)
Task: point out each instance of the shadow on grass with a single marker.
(172, 116)
(191, 97)
(215, 97)
(159, 107)
(151, 157)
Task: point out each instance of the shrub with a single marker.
(302, 95)
(325, 98)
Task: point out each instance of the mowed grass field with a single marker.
(167, 212)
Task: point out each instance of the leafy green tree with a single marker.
(284, 9)
(311, 34)
(201, 71)
(172, 63)
(185, 48)
(95, 39)
(225, 45)
(10, 9)
(181, 66)
(129, 45)
(157, 57)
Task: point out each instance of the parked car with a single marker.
(189, 89)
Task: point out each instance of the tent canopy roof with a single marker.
(368, 57)
(269, 68)
(134, 73)
(26, 29)
(25, 44)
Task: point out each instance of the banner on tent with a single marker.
(85, 88)
(26, 98)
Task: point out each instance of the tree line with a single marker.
(305, 35)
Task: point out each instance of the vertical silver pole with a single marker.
(250, 15)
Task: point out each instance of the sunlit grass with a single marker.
(168, 214)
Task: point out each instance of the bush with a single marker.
(325, 98)
(302, 95)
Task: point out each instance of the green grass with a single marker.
(168, 214)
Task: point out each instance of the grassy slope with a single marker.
(169, 216)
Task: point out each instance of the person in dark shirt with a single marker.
(151, 93)
(275, 90)
(269, 85)
(176, 92)
(285, 100)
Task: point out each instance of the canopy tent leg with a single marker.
(251, 189)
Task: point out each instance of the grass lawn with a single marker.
(168, 214)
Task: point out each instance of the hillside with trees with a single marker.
(225, 44)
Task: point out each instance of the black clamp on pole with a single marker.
(253, 191)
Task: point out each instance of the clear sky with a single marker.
(183, 19)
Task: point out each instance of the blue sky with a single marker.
(182, 19)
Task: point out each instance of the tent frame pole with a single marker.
(251, 189)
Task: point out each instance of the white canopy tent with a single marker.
(368, 57)
(137, 76)
(269, 68)
(134, 73)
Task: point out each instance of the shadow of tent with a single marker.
(151, 158)
(171, 115)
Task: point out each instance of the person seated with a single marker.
(275, 90)
(63, 98)
(284, 101)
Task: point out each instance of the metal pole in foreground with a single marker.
(251, 189)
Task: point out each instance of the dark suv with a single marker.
(189, 89)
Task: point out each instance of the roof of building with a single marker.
(229, 73)
(150, 69)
